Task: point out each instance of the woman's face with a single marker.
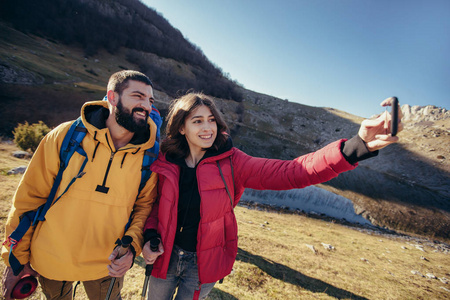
(200, 129)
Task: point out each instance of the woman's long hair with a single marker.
(175, 143)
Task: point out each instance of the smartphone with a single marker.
(394, 116)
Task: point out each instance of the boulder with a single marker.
(18, 170)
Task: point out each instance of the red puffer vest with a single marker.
(217, 233)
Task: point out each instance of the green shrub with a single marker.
(28, 137)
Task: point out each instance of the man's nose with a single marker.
(147, 105)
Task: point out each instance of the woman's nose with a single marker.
(207, 126)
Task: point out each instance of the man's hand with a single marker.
(119, 266)
(376, 132)
(9, 281)
(149, 255)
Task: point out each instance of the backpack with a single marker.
(71, 143)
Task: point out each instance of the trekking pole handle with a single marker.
(123, 249)
(154, 245)
(126, 242)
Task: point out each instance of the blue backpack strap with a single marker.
(71, 143)
(15, 237)
(150, 155)
(156, 117)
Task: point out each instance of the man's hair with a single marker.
(176, 143)
(119, 80)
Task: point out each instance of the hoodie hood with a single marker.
(94, 115)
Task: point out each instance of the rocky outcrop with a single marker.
(424, 113)
(14, 75)
(18, 170)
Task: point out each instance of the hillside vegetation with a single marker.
(291, 256)
(44, 77)
(97, 25)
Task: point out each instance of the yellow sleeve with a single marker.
(141, 210)
(33, 189)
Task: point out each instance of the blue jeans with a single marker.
(182, 273)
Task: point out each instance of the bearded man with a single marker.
(76, 242)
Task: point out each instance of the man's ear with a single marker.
(113, 97)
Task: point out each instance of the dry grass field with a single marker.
(276, 258)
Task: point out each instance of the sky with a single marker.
(345, 54)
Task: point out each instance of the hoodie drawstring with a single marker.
(123, 159)
(95, 149)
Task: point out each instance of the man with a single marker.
(77, 238)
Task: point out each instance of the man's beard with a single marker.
(125, 118)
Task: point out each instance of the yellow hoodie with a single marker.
(81, 229)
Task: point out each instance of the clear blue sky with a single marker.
(345, 54)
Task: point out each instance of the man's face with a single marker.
(134, 106)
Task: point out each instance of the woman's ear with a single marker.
(182, 130)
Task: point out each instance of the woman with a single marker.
(201, 179)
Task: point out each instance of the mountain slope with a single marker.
(405, 188)
(96, 25)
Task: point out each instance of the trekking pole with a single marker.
(126, 242)
(154, 243)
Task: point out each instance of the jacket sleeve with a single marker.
(151, 225)
(34, 188)
(152, 220)
(141, 210)
(272, 174)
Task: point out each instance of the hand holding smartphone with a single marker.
(381, 130)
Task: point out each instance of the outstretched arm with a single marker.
(319, 166)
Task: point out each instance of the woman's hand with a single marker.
(151, 256)
(376, 133)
